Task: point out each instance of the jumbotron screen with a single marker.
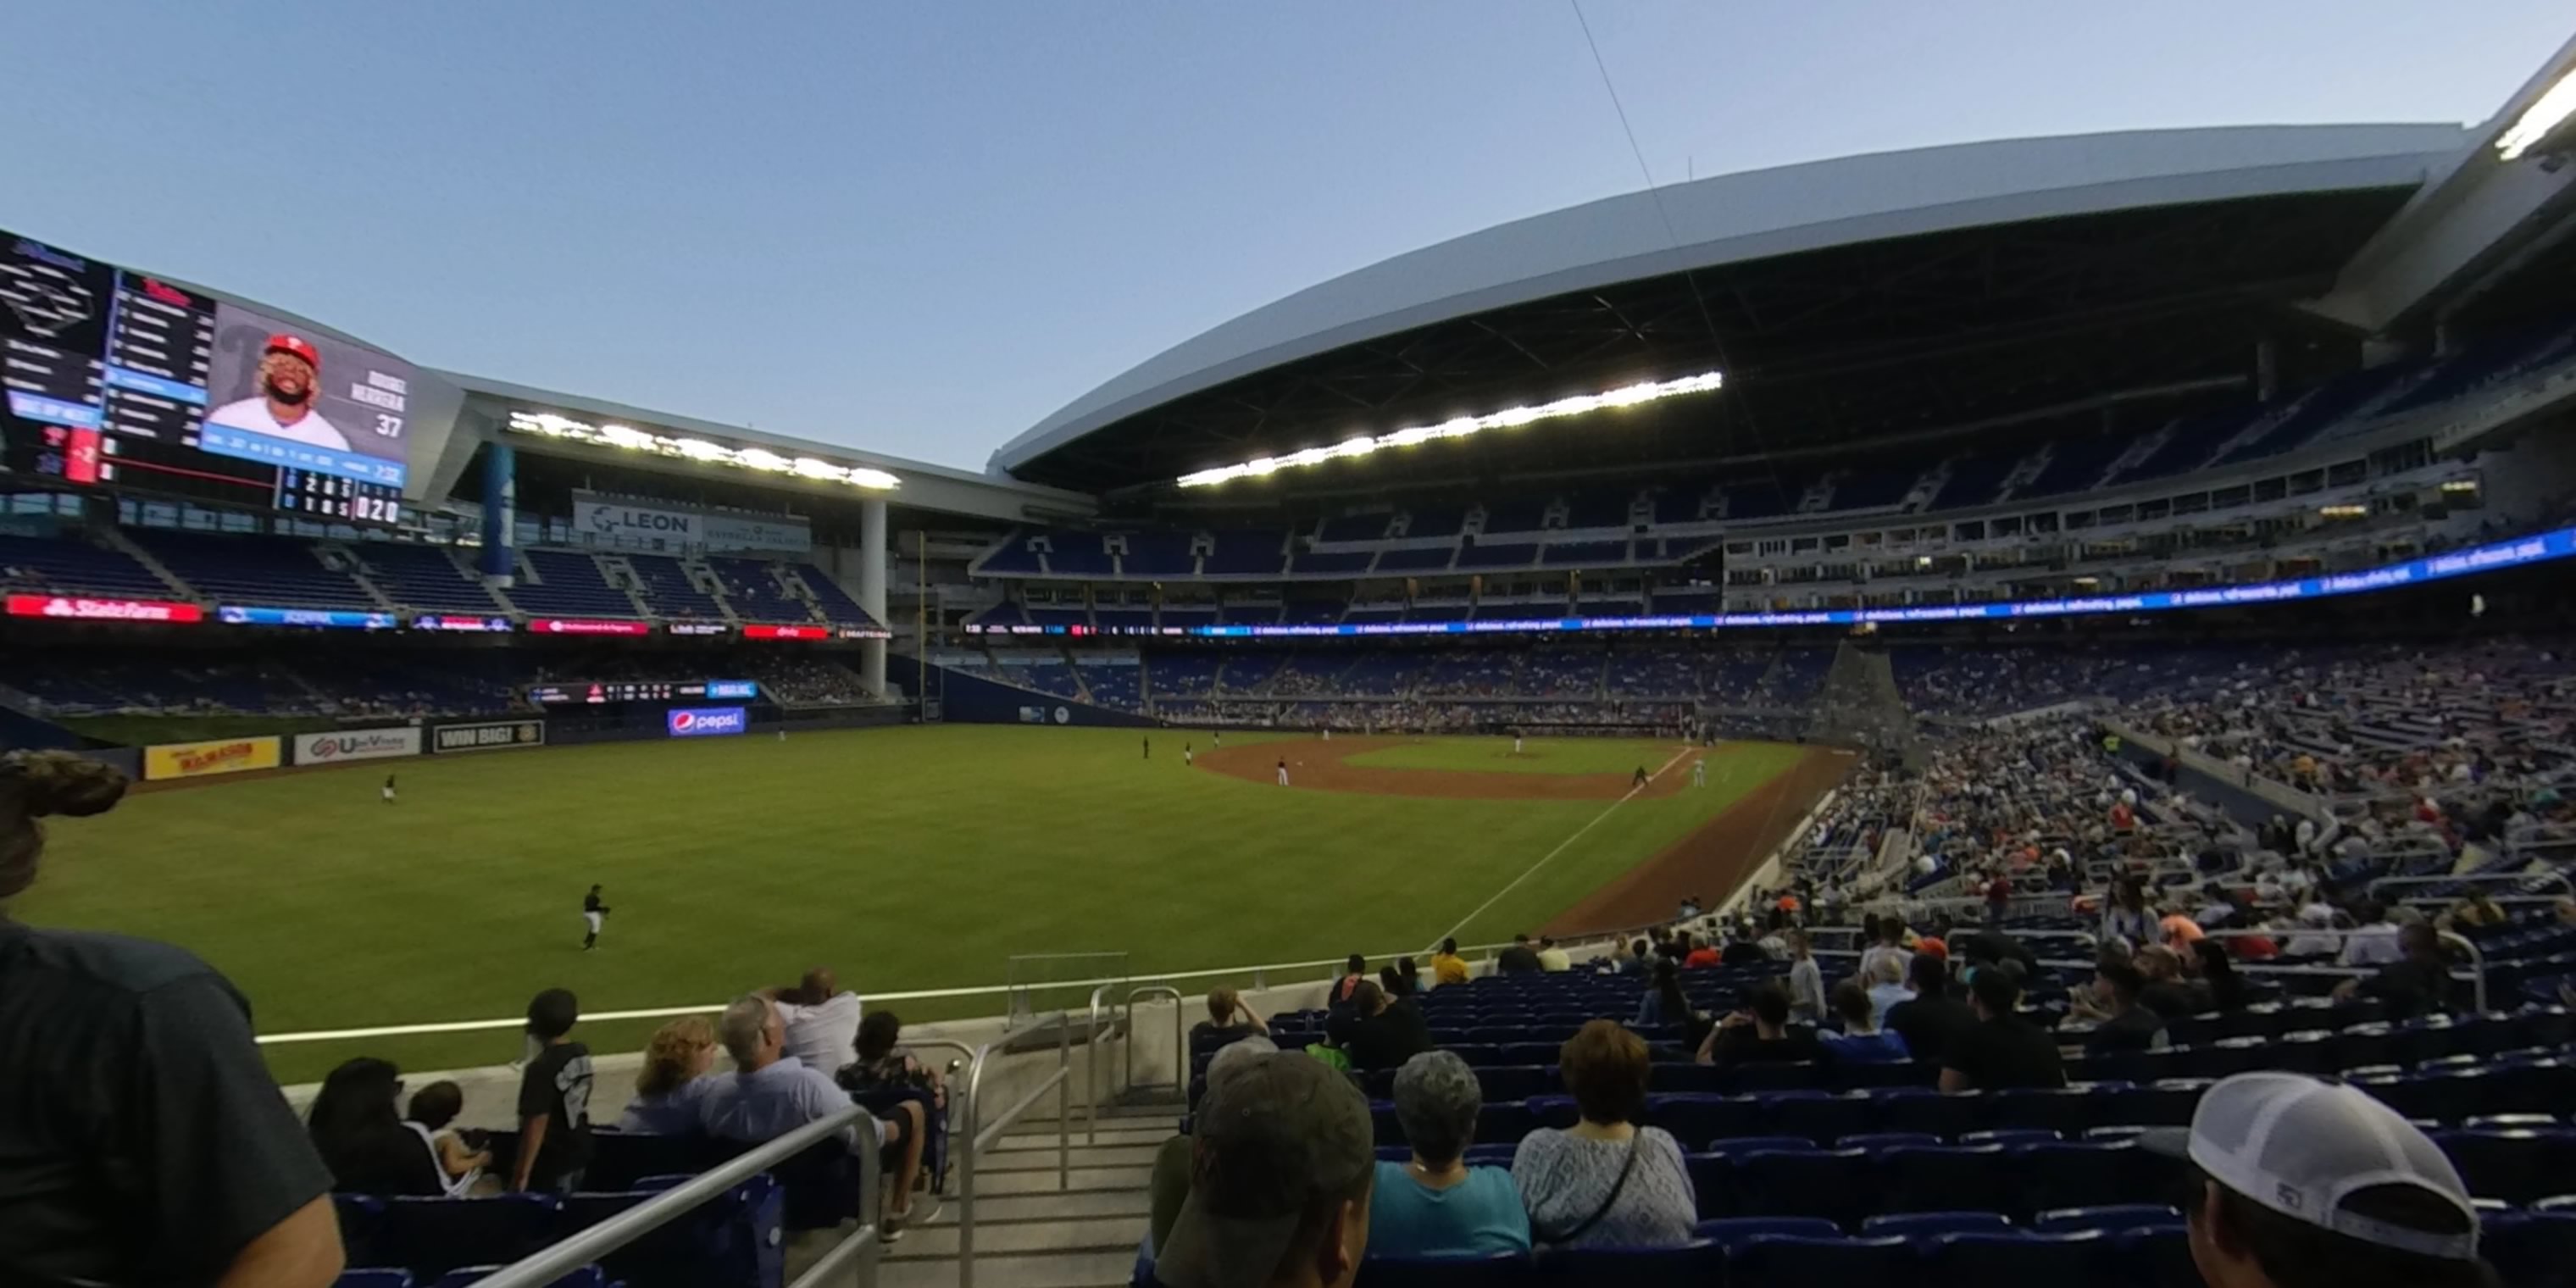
(600, 692)
(119, 379)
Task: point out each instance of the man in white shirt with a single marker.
(290, 371)
(822, 1020)
(2373, 942)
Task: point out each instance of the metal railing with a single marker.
(1180, 1040)
(855, 1253)
(2516, 878)
(978, 1135)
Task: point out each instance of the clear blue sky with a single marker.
(921, 228)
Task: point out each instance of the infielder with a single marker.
(1516, 744)
(1187, 756)
(1699, 773)
(1283, 771)
(593, 912)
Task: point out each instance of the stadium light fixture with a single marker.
(628, 438)
(2545, 114)
(1459, 427)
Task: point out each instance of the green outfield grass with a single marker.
(908, 858)
(1537, 755)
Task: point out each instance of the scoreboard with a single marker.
(119, 379)
(603, 692)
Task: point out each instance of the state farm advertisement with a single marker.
(85, 608)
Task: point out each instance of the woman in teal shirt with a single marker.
(1433, 1203)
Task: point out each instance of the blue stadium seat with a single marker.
(430, 1237)
(1916, 1109)
(1729, 1232)
(1944, 1178)
(379, 1277)
(2113, 1217)
(467, 1276)
(735, 1240)
(1748, 1144)
(1797, 1261)
(2022, 1258)
(2516, 1165)
(1831, 1183)
(1695, 1264)
(1923, 1226)
(2155, 1257)
(1819, 1115)
(2077, 1173)
(1500, 1270)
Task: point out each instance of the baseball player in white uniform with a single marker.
(1699, 773)
(1187, 756)
(1283, 771)
(593, 913)
(1516, 744)
(290, 374)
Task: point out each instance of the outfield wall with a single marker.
(972, 699)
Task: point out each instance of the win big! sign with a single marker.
(494, 736)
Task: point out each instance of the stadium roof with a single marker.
(1844, 299)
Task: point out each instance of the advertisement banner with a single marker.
(451, 622)
(615, 521)
(707, 722)
(242, 615)
(698, 628)
(496, 735)
(201, 759)
(585, 626)
(732, 689)
(355, 744)
(761, 632)
(87, 609)
(622, 521)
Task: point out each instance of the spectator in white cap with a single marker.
(2304, 1183)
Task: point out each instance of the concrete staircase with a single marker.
(1028, 1233)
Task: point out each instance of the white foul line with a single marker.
(1560, 847)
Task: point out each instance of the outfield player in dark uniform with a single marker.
(1149, 749)
(1641, 778)
(593, 912)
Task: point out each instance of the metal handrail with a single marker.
(2560, 877)
(548, 1264)
(1091, 1067)
(1180, 1042)
(979, 1136)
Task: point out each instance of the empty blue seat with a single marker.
(1836, 1184)
(1515, 1081)
(1874, 1141)
(1728, 1232)
(1695, 1264)
(1748, 1144)
(379, 1277)
(1943, 1178)
(1819, 1115)
(2078, 1173)
(430, 1237)
(1922, 1226)
(1711, 1183)
(2111, 1217)
(732, 1241)
(467, 1276)
(2512, 1164)
(1919, 1109)
(1499, 1270)
(2004, 1136)
(2067, 1111)
(2156, 1257)
(1798, 1261)
(2531, 1249)
(2022, 1258)
(1504, 1123)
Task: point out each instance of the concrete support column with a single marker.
(872, 586)
(500, 513)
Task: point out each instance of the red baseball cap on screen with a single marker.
(297, 345)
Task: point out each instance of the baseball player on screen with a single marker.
(290, 378)
(593, 912)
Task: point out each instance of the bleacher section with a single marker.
(252, 570)
(42, 566)
(427, 578)
(669, 592)
(568, 584)
(753, 588)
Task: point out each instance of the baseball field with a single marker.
(917, 858)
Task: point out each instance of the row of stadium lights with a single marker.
(1461, 427)
(2546, 113)
(699, 449)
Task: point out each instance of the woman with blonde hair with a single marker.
(673, 1078)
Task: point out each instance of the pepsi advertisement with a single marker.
(706, 722)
